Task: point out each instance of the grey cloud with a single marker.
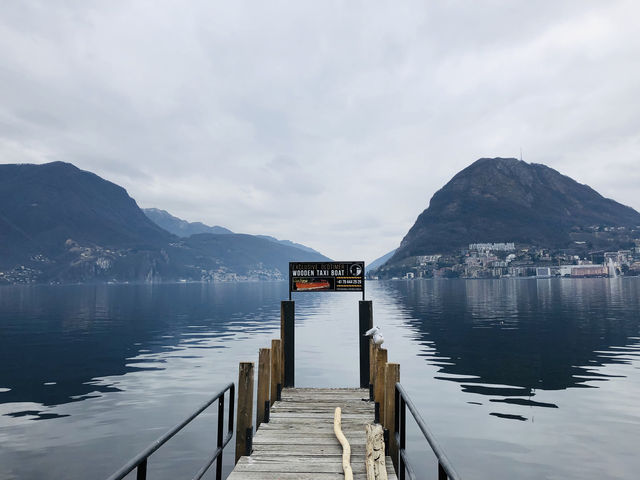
(299, 119)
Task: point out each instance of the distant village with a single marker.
(508, 259)
(478, 260)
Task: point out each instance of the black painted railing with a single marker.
(140, 460)
(403, 402)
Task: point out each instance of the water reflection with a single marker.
(141, 357)
(509, 338)
(58, 344)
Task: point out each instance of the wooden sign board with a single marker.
(326, 277)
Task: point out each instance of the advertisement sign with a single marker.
(326, 277)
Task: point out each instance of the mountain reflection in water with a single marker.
(523, 379)
(510, 338)
(58, 343)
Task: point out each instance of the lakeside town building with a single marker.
(506, 259)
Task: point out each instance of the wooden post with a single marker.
(276, 368)
(392, 376)
(264, 370)
(287, 336)
(372, 364)
(365, 312)
(245, 407)
(374, 453)
(378, 385)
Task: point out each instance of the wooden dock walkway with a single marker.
(295, 436)
(299, 441)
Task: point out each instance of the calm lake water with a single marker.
(526, 379)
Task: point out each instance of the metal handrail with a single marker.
(445, 468)
(140, 460)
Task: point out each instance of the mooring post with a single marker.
(366, 323)
(372, 367)
(245, 408)
(264, 370)
(392, 376)
(276, 369)
(378, 384)
(287, 332)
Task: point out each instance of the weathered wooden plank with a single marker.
(350, 429)
(298, 470)
(295, 464)
(279, 460)
(300, 434)
(291, 405)
(332, 399)
(298, 449)
(258, 459)
(329, 393)
(299, 441)
(284, 476)
(312, 429)
(322, 415)
(324, 398)
(317, 409)
(322, 391)
(297, 467)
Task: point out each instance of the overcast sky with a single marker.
(327, 123)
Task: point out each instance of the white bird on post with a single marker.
(376, 334)
(372, 331)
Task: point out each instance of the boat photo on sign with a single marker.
(326, 276)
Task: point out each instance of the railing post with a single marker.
(287, 332)
(249, 446)
(276, 368)
(403, 437)
(245, 407)
(141, 472)
(220, 436)
(442, 474)
(365, 311)
(232, 412)
(378, 384)
(392, 376)
(264, 369)
(396, 438)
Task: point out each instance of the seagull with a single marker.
(372, 331)
(376, 334)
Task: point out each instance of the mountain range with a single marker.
(378, 262)
(60, 224)
(182, 228)
(509, 200)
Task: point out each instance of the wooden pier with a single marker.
(311, 433)
(294, 427)
(299, 441)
